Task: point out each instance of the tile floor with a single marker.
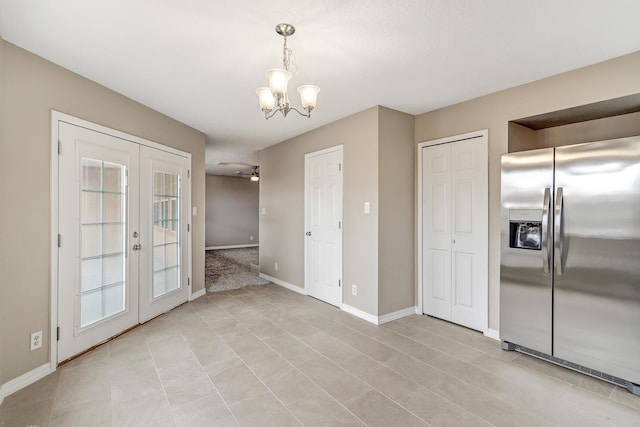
(265, 356)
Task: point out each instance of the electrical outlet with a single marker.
(275, 265)
(354, 290)
(36, 340)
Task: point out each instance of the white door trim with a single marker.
(56, 118)
(484, 134)
(306, 214)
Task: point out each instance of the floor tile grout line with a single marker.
(268, 297)
(155, 367)
(251, 370)
(442, 354)
(409, 379)
(350, 373)
(448, 338)
(226, 404)
(561, 381)
(431, 366)
(451, 375)
(302, 373)
(375, 339)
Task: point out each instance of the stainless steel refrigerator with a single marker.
(570, 257)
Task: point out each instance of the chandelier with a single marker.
(274, 98)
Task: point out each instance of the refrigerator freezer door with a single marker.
(525, 277)
(597, 296)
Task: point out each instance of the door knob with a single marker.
(137, 247)
(308, 233)
(453, 240)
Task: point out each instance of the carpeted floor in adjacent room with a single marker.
(227, 269)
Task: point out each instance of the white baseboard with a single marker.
(378, 320)
(198, 294)
(361, 314)
(492, 333)
(211, 248)
(24, 380)
(409, 311)
(418, 310)
(284, 284)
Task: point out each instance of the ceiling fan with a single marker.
(243, 170)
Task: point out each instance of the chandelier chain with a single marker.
(286, 56)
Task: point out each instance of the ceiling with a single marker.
(199, 61)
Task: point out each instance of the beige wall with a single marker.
(32, 87)
(611, 79)
(396, 229)
(4, 320)
(378, 168)
(232, 211)
(282, 196)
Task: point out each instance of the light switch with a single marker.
(367, 208)
(264, 211)
(194, 210)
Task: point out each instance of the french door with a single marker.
(123, 251)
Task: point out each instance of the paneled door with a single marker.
(455, 232)
(323, 218)
(122, 236)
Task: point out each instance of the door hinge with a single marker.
(59, 240)
(59, 147)
(339, 167)
(188, 173)
(188, 228)
(339, 283)
(339, 225)
(188, 281)
(126, 177)
(58, 333)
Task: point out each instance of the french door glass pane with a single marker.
(102, 234)
(166, 233)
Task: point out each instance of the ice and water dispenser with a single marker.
(525, 229)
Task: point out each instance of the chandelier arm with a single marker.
(268, 115)
(307, 114)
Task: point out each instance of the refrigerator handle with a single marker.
(559, 237)
(546, 231)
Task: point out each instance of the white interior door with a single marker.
(164, 213)
(455, 232)
(323, 218)
(98, 276)
(123, 222)
(436, 253)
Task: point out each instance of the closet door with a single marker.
(469, 234)
(436, 223)
(455, 232)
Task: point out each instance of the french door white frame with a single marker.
(484, 134)
(56, 118)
